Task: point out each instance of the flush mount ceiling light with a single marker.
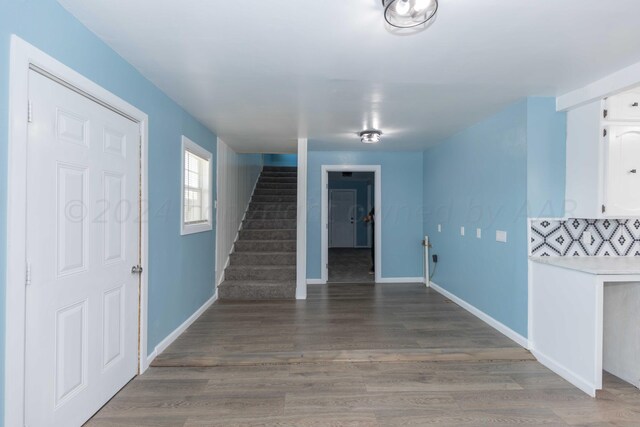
(370, 136)
(409, 13)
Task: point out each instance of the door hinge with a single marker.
(29, 112)
(605, 113)
(27, 275)
(604, 208)
(604, 132)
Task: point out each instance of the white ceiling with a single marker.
(261, 73)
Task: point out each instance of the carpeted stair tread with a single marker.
(263, 259)
(249, 290)
(260, 246)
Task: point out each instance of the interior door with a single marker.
(82, 240)
(342, 220)
(622, 174)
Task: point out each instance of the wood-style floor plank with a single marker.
(356, 355)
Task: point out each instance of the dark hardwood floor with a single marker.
(356, 355)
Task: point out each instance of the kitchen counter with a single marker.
(594, 265)
(567, 315)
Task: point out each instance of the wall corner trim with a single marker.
(162, 345)
(301, 225)
(500, 327)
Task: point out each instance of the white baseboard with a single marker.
(401, 280)
(565, 373)
(500, 327)
(162, 346)
(383, 280)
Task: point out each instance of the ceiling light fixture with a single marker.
(409, 13)
(370, 136)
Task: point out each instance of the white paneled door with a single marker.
(622, 182)
(342, 218)
(83, 233)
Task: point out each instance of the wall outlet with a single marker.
(479, 233)
(439, 228)
(586, 238)
(501, 236)
(462, 231)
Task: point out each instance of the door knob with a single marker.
(635, 104)
(136, 269)
(633, 171)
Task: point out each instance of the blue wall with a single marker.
(481, 178)
(280, 159)
(401, 208)
(181, 270)
(546, 158)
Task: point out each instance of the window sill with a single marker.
(195, 228)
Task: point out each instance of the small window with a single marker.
(196, 212)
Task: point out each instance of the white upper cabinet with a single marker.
(623, 107)
(603, 158)
(584, 162)
(622, 165)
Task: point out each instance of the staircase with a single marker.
(263, 263)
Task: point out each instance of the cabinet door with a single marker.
(622, 171)
(625, 106)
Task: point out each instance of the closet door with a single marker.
(622, 171)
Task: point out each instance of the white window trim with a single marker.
(185, 229)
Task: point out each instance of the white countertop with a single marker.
(594, 265)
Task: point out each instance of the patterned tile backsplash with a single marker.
(609, 237)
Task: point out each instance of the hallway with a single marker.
(354, 355)
(350, 265)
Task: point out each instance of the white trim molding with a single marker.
(301, 225)
(401, 280)
(316, 282)
(324, 215)
(500, 327)
(207, 191)
(566, 373)
(165, 343)
(24, 56)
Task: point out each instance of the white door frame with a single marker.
(23, 57)
(355, 204)
(324, 221)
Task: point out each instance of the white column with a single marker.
(301, 253)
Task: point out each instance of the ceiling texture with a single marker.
(262, 73)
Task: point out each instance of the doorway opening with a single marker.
(351, 228)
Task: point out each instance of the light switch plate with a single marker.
(479, 233)
(439, 228)
(501, 236)
(462, 231)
